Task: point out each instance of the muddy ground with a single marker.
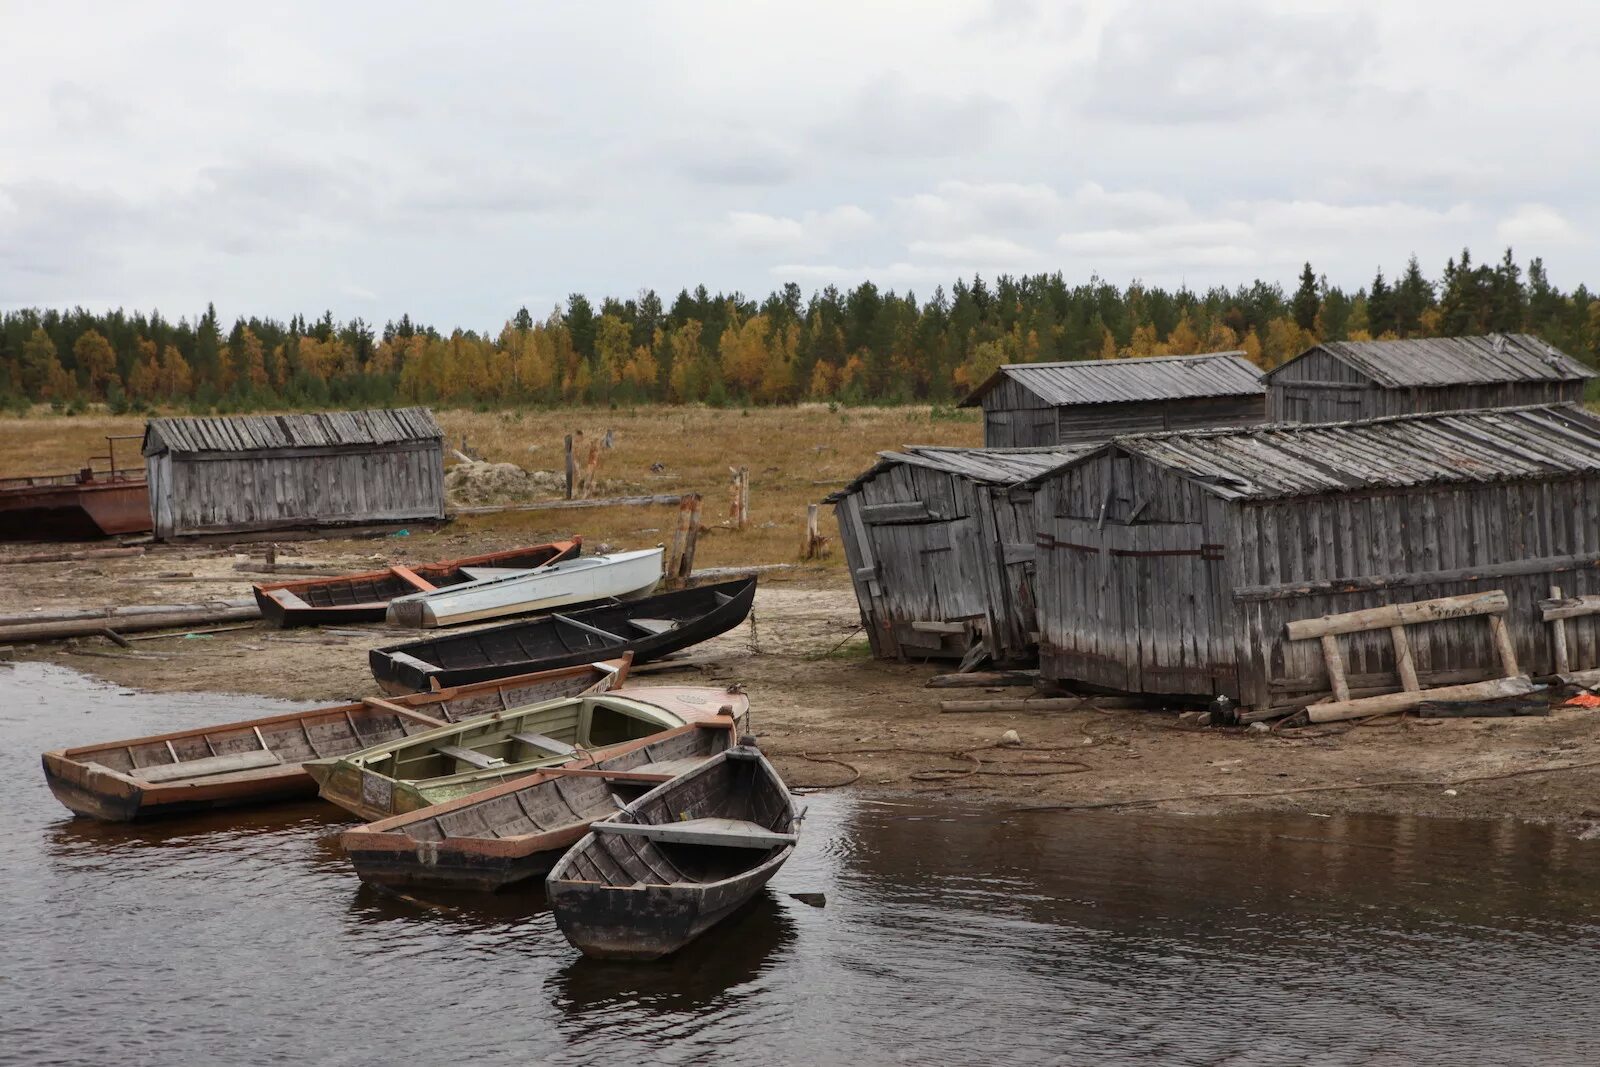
(814, 693)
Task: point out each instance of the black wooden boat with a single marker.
(677, 861)
(350, 598)
(650, 628)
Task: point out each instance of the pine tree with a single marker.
(1307, 300)
(1412, 297)
(1380, 307)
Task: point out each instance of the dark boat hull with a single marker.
(461, 871)
(283, 618)
(80, 512)
(535, 644)
(652, 921)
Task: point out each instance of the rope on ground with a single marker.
(835, 648)
(1401, 783)
(855, 773)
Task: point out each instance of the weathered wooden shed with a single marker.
(941, 548)
(267, 472)
(1031, 405)
(1171, 563)
(1342, 380)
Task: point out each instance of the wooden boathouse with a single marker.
(941, 549)
(1339, 381)
(1032, 405)
(255, 473)
(1173, 563)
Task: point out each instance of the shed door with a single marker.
(1140, 610)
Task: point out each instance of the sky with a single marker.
(456, 162)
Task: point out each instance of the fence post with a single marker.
(571, 469)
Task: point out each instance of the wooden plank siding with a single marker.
(1151, 584)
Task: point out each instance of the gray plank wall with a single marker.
(1015, 418)
(1320, 388)
(1193, 597)
(235, 492)
(927, 546)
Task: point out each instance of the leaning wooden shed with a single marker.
(254, 473)
(1342, 380)
(1171, 563)
(1030, 405)
(941, 550)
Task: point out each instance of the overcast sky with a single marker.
(456, 161)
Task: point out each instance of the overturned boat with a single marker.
(517, 830)
(649, 628)
(572, 581)
(460, 759)
(354, 598)
(669, 866)
(262, 760)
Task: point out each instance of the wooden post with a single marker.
(272, 555)
(680, 537)
(572, 470)
(1335, 662)
(1558, 637)
(1402, 660)
(586, 486)
(691, 537)
(811, 541)
(1502, 644)
(739, 498)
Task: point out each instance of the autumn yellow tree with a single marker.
(98, 362)
(742, 350)
(175, 381)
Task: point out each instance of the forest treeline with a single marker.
(857, 346)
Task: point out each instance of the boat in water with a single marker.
(517, 830)
(573, 581)
(78, 506)
(261, 760)
(355, 598)
(649, 628)
(669, 866)
(458, 760)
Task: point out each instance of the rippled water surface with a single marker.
(949, 936)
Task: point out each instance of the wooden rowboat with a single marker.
(677, 861)
(572, 581)
(261, 760)
(352, 598)
(419, 770)
(517, 830)
(649, 628)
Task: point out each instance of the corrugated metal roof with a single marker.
(1425, 361)
(1115, 381)
(324, 429)
(1305, 459)
(991, 466)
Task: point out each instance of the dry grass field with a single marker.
(796, 455)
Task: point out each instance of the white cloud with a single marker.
(754, 231)
(1536, 225)
(998, 253)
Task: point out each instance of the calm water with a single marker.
(949, 936)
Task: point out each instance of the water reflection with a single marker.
(950, 935)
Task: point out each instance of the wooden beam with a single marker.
(1403, 661)
(604, 635)
(66, 557)
(55, 631)
(1572, 607)
(1334, 659)
(1558, 634)
(982, 679)
(1389, 703)
(1371, 583)
(564, 505)
(951, 707)
(1493, 602)
(1503, 645)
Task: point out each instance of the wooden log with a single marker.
(691, 537)
(124, 612)
(1403, 661)
(1557, 607)
(1334, 659)
(272, 567)
(1503, 645)
(812, 543)
(680, 537)
(68, 557)
(1582, 679)
(1484, 709)
(739, 498)
(210, 630)
(115, 638)
(590, 469)
(722, 573)
(954, 707)
(1389, 703)
(564, 505)
(982, 679)
(1493, 602)
(1558, 635)
(55, 631)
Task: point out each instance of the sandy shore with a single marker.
(815, 694)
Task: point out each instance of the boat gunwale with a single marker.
(565, 548)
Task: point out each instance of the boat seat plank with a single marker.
(411, 577)
(207, 766)
(546, 743)
(671, 767)
(287, 599)
(604, 635)
(467, 755)
(653, 627)
(729, 833)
